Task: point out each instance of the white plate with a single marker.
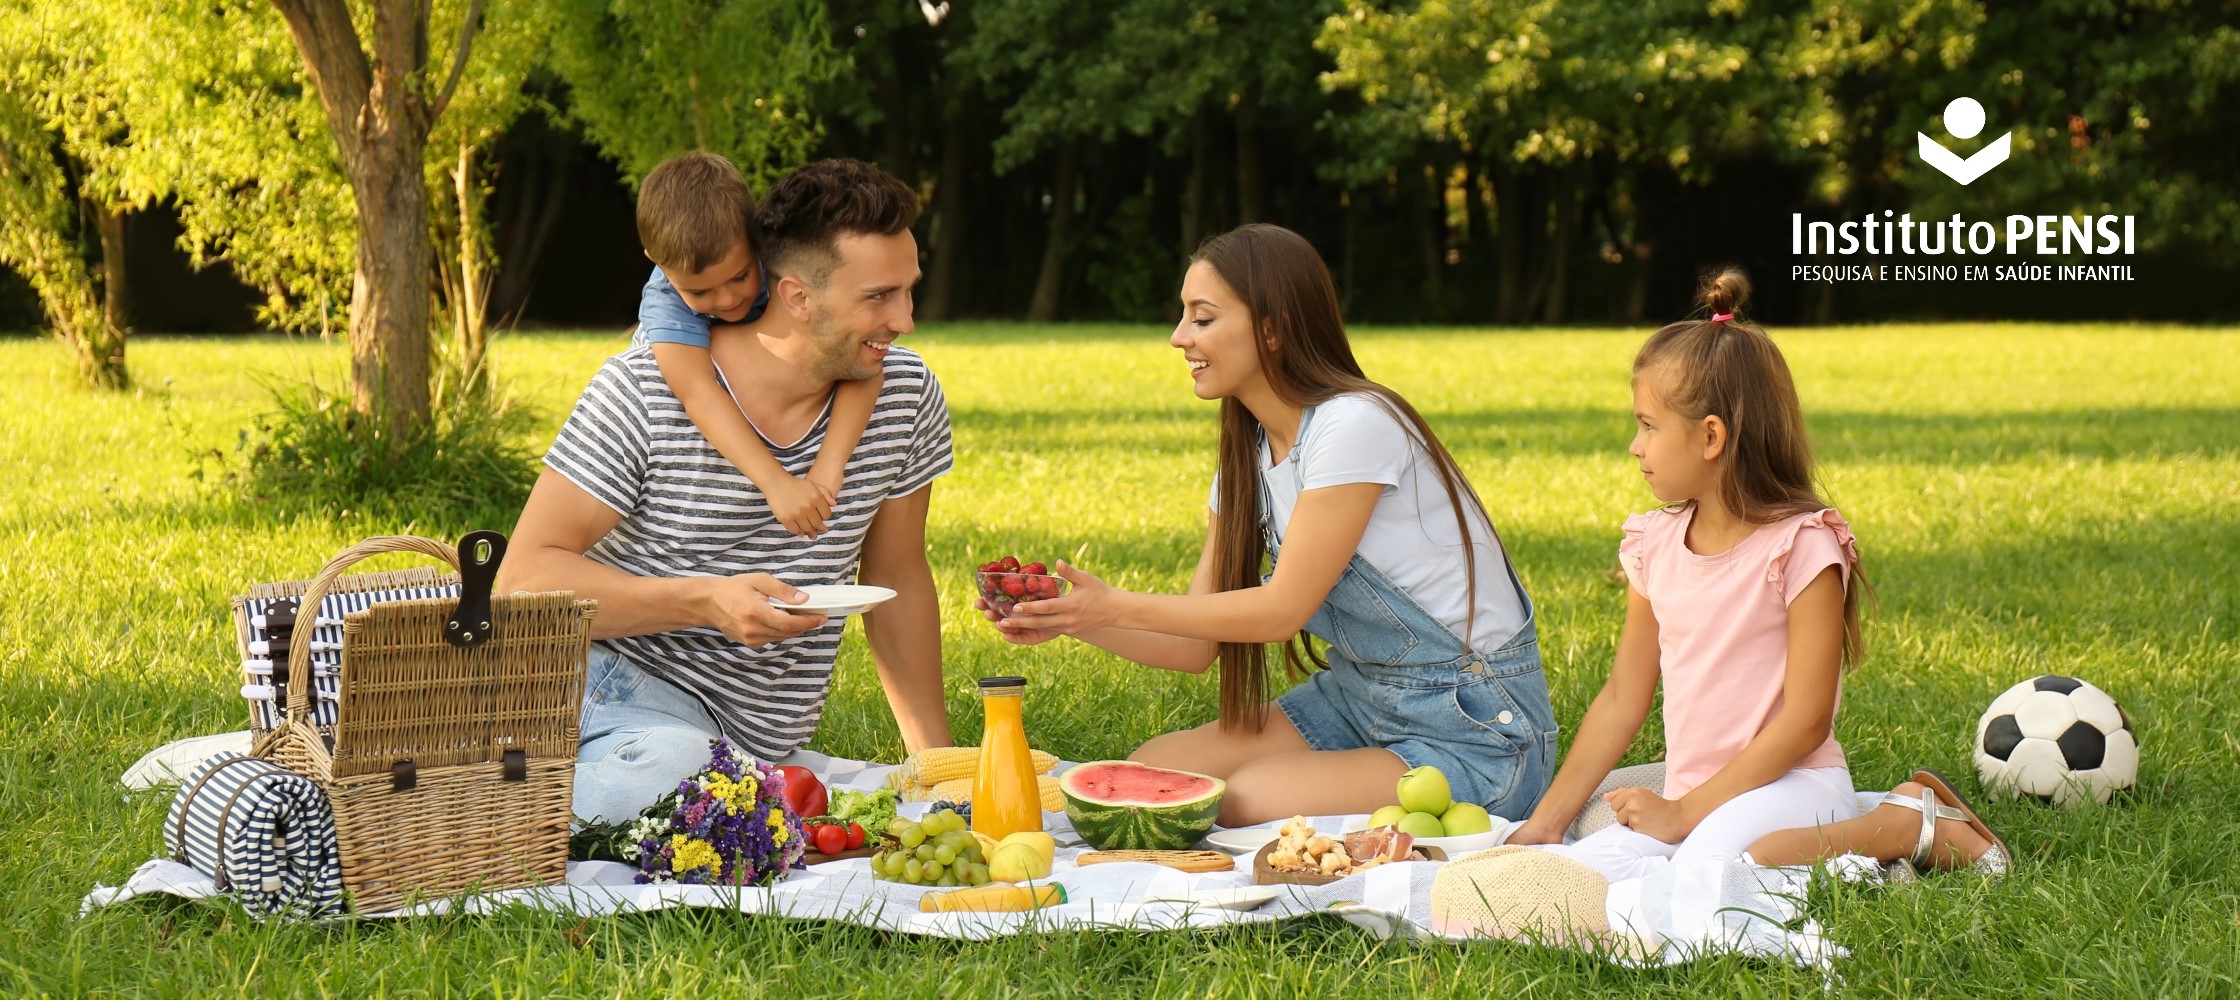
(1454, 846)
(1245, 840)
(1248, 897)
(836, 600)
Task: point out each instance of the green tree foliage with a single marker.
(213, 111)
(2113, 106)
(38, 238)
(1164, 70)
(48, 114)
(1518, 160)
(648, 79)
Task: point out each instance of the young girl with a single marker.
(1380, 548)
(1743, 602)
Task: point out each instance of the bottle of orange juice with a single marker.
(1005, 799)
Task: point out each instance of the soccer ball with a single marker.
(2056, 739)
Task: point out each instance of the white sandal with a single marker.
(1994, 861)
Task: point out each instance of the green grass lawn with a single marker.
(2028, 499)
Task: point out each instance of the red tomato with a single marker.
(831, 839)
(803, 794)
(855, 836)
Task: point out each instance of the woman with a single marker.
(1432, 657)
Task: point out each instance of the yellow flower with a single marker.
(692, 855)
(737, 796)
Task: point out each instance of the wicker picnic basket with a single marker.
(451, 763)
(268, 619)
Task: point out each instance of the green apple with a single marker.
(1465, 818)
(1421, 824)
(1425, 790)
(1387, 816)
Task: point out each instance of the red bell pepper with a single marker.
(803, 794)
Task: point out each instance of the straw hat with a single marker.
(1514, 890)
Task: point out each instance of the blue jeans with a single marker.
(1485, 722)
(640, 736)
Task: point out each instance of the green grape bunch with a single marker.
(935, 851)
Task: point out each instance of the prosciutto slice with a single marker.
(1383, 843)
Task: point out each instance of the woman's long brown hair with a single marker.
(1287, 292)
(1730, 369)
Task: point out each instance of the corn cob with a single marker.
(928, 768)
(960, 790)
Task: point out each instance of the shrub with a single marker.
(471, 465)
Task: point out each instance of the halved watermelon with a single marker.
(1119, 805)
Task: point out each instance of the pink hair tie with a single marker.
(1721, 317)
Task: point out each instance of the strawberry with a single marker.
(1035, 568)
(1046, 588)
(1010, 564)
(1013, 585)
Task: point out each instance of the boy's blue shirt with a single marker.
(663, 318)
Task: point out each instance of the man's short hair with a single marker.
(798, 227)
(692, 210)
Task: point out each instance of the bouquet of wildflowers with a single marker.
(727, 825)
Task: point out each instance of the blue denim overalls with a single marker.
(1401, 680)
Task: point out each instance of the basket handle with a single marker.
(315, 594)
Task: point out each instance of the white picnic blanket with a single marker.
(1685, 911)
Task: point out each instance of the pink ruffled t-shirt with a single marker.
(1723, 630)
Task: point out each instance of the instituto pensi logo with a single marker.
(1964, 119)
(1918, 242)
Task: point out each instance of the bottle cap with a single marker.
(1002, 682)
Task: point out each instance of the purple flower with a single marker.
(748, 847)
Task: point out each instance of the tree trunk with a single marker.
(1252, 184)
(1556, 288)
(896, 131)
(1636, 309)
(389, 296)
(948, 215)
(469, 301)
(1511, 245)
(1049, 283)
(1425, 201)
(1194, 190)
(379, 112)
(1346, 280)
(57, 271)
(116, 294)
(101, 356)
(537, 188)
(1645, 203)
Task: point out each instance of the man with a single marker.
(638, 511)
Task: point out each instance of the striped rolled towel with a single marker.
(262, 833)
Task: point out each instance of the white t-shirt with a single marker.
(1412, 537)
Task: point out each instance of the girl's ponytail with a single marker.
(1724, 294)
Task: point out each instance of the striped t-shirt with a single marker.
(687, 511)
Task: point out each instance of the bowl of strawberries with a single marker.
(1006, 583)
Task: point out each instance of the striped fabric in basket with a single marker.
(261, 833)
(268, 704)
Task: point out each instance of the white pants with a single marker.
(1804, 797)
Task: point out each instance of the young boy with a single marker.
(693, 218)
